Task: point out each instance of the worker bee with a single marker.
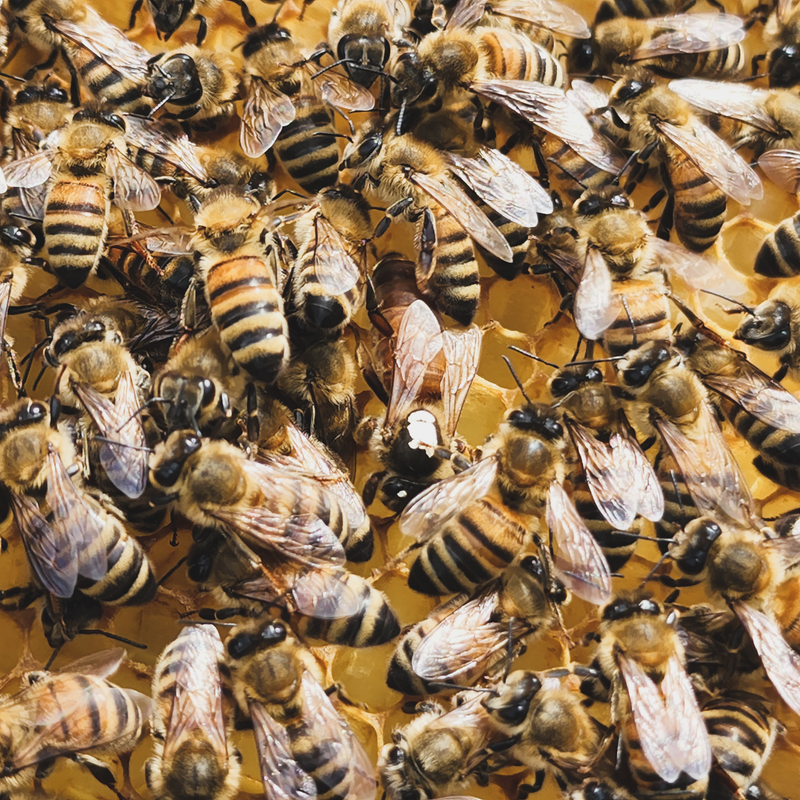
(642, 661)
(88, 159)
(47, 719)
(465, 639)
(282, 108)
(676, 45)
(192, 721)
(275, 684)
(229, 243)
(780, 37)
(413, 441)
(169, 15)
(699, 169)
(473, 525)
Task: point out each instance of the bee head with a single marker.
(769, 328)
(784, 67)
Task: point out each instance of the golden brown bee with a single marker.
(192, 721)
(780, 37)
(169, 15)
(293, 717)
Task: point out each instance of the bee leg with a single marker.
(45, 768)
(526, 789)
(391, 213)
(26, 595)
(667, 219)
(371, 487)
(46, 64)
(202, 29)
(99, 771)
(338, 690)
(781, 373)
(74, 83)
(654, 201)
(248, 18)
(137, 7)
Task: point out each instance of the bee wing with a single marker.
(466, 640)
(579, 560)
(690, 33)
(325, 724)
(5, 302)
(101, 664)
(340, 92)
(462, 353)
(75, 518)
(781, 663)
(653, 723)
(691, 746)
(586, 96)
(326, 594)
(548, 108)
(418, 341)
(52, 556)
(715, 159)
(452, 197)
(734, 100)
(283, 779)
(28, 172)
(646, 486)
(428, 511)
(466, 13)
(781, 166)
(264, 115)
(503, 185)
(334, 267)
(134, 189)
(550, 14)
(594, 308)
(198, 701)
(712, 474)
(172, 146)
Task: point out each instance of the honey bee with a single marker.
(282, 108)
(275, 684)
(780, 37)
(546, 18)
(49, 718)
(472, 526)
(413, 441)
(699, 169)
(642, 661)
(676, 45)
(88, 159)
(465, 639)
(169, 15)
(228, 241)
(192, 721)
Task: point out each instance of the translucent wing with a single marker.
(28, 172)
(283, 779)
(550, 14)
(134, 189)
(451, 197)
(334, 267)
(781, 663)
(594, 308)
(549, 108)
(586, 96)
(172, 146)
(721, 165)
(101, 664)
(462, 353)
(579, 560)
(690, 33)
(326, 594)
(646, 487)
(691, 745)
(419, 340)
(428, 511)
(734, 100)
(264, 115)
(466, 14)
(198, 702)
(782, 168)
(784, 9)
(340, 92)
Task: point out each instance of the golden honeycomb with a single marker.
(523, 313)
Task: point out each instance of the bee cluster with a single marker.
(254, 265)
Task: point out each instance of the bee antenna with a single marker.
(161, 104)
(509, 648)
(653, 571)
(123, 444)
(12, 77)
(747, 309)
(39, 376)
(516, 379)
(277, 11)
(188, 621)
(631, 158)
(594, 360)
(531, 355)
(168, 574)
(445, 685)
(53, 657)
(567, 173)
(114, 636)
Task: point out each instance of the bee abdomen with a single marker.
(309, 156)
(401, 676)
(782, 446)
(323, 760)
(644, 317)
(248, 312)
(779, 255)
(319, 307)
(618, 546)
(104, 82)
(728, 62)
(679, 507)
(513, 56)
(517, 238)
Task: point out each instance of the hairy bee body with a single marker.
(779, 254)
(510, 55)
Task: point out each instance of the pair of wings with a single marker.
(282, 776)
(621, 480)
(420, 338)
(68, 544)
(550, 14)
(579, 561)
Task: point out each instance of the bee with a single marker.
(753, 573)
(329, 272)
(88, 160)
(465, 639)
(413, 441)
(780, 36)
(642, 661)
(698, 168)
(169, 15)
(195, 85)
(65, 714)
(282, 108)
(472, 526)
(231, 253)
(192, 721)
(677, 45)
(275, 684)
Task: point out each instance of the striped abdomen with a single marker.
(471, 549)
(75, 226)
(679, 507)
(514, 234)
(576, 174)
(513, 56)
(643, 317)
(729, 62)
(248, 312)
(327, 762)
(779, 254)
(310, 157)
(787, 608)
(455, 279)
